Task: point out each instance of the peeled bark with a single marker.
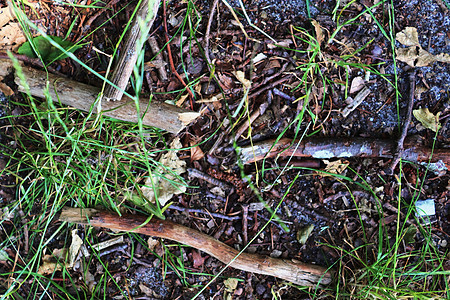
(327, 148)
(293, 271)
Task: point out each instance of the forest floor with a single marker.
(301, 71)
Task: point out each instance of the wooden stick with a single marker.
(129, 53)
(293, 271)
(83, 97)
(404, 133)
(327, 148)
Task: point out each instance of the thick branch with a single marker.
(296, 272)
(326, 148)
(83, 96)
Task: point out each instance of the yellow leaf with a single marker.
(428, 120)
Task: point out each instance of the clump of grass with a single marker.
(65, 157)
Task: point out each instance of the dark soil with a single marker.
(330, 205)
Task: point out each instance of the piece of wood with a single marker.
(130, 52)
(327, 148)
(404, 133)
(157, 52)
(82, 96)
(293, 271)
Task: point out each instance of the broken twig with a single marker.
(401, 139)
(293, 271)
(130, 52)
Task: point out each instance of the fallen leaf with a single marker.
(11, 37)
(164, 179)
(414, 55)
(304, 233)
(410, 234)
(218, 191)
(225, 81)
(358, 84)
(335, 167)
(273, 63)
(196, 152)
(3, 255)
(198, 260)
(6, 15)
(53, 262)
(180, 101)
(5, 89)
(427, 119)
(152, 243)
(241, 77)
(231, 284)
(74, 248)
(319, 31)
(187, 117)
(259, 57)
(146, 290)
(408, 36)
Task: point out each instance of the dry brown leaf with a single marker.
(427, 119)
(164, 177)
(180, 101)
(357, 84)
(241, 77)
(6, 15)
(146, 290)
(197, 258)
(273, 63)
(319, 31)
(187, 117)
(196, 152)
(11, 37)
(225, 81)
(443, 57)
(6, 89)
(336, 167)
(53, 262)
(230, 284)
(408, 36)
(74, 248)
(152, 243)
(414, 55)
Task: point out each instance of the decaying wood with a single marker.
(293, 271)
(327, 148)
(157, 52)
(129, 53)
(82, 96)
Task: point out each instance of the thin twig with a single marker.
(256, 114)
(268, 87)
(199, 174)
(400, 149)
(245, 223)
(169, 53)
(208, 31)
(201, 211)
